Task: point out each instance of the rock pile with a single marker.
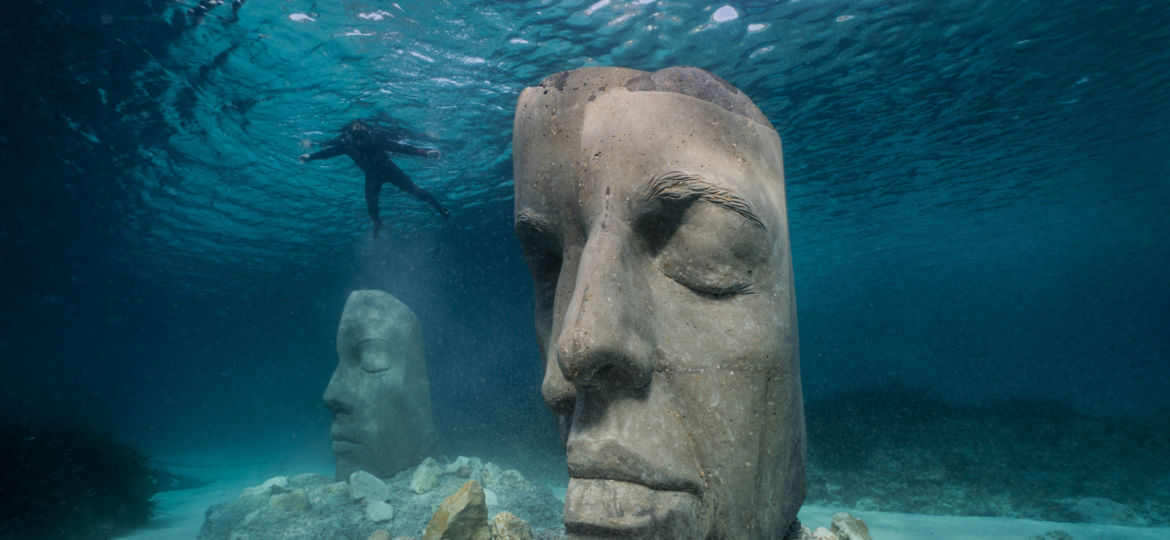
(312, 507)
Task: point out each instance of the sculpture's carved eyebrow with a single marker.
(681, 186)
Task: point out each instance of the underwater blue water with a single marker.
(977, 194)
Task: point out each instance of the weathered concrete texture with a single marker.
(312, 507)
(462, 516)
(379, 393)
(651, 210)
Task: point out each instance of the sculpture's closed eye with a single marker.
(706, 280)
(373, 355)
(702, 246)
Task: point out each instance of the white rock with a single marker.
(296, 500)
(272, 486)
(365, 486)
(461, 467)
(491, 474)
(847, 527)
(335, 488)
(489, 497)
(513, 479)
(823, 534)
(251, 516)
(426, 476)
(378, 511)
(458, 461)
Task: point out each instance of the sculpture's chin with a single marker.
(349, 457)
(613, 508)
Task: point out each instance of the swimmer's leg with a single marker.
(402, 182)
(373, 193)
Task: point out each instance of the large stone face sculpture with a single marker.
(651, 210)
(379, 393)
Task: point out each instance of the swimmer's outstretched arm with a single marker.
(325, 153)
(412, 150)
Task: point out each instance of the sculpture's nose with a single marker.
(604, 337)
(335, 396)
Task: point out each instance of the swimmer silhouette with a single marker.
(368, 148)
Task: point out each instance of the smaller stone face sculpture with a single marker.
(379, 393)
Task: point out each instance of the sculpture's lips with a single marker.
(619, 509)
(344, 439)
(610, 460)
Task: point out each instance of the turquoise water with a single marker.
(977, 197)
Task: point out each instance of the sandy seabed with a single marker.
(181, 515)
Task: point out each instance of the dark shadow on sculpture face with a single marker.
(651, 210)
(379, 393)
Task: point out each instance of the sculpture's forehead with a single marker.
(569, 151)
(353, 331)
(662, 130)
